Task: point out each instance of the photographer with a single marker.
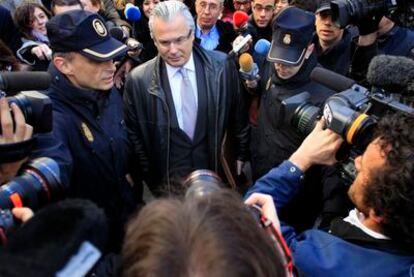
(12, 133)
(378, 235)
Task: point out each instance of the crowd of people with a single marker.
(146, 93)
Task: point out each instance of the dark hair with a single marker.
(23, 17)
(307, 5)
(391, 191)
(54, 3)
(7, 58)
(210, 236)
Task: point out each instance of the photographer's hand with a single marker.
(23, 213)
(319, 147)
(22, 131)
(268, 207)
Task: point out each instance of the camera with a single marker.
(38, 184)
(345, 12)
(35, 106)
(352, 113)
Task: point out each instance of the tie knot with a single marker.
(184, 73)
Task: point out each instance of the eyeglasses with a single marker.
(239, 3)
(211, 6)
(259, 8)
(178, 41)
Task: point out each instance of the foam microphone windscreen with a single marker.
(240, 19)
(132, 13)
(246, 62)
(393, 73)
(262, 47)
(118, 34)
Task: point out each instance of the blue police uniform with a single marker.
(398, 41)
(94, 150)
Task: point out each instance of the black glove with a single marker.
(369, 24)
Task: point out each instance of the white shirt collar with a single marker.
(189, 65)
(355, 217)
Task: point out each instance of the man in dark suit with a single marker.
(180, 105)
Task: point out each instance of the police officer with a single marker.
(286, 73)
(88, 117)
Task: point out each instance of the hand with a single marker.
(319, 147)
(42, 52)
(121, 73)
(245, 48)
(268, 207)
(23, 214)
(252, 84)
(22, 132)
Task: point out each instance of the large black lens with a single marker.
(305, 118)
(38, 185)
(36, 108)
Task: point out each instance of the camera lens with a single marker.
(304, 119)
(359, 131)
(202, 182)
(38, 184)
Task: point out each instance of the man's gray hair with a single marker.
(168, 10)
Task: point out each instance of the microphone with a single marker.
(240, 20)
(331, 79)
(392, 73)
(248, 69)
(118, 34)
(240, 45)
(132, 13)
(262, 47)
(12, 82)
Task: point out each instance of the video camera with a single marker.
(345, 12)
(352, 113)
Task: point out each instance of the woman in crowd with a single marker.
(31, 19)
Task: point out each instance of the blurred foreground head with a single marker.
(213, 235)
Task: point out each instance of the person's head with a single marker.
(31, 17)
(208, 12)
(262, 11)
(214, 235)
(383, 189)
(172, 29)
(148, 6)
(8, 62)
(242, 5)
(291, 44)
(280, 4)
(61, 6)
(328, 33)
(92, 5)
(83, 49)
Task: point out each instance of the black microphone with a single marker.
(331, 79)
(392, 73)
(118, 34)
(12, 82)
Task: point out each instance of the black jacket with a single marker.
(148, 119)
(227, 36)
(337, 58)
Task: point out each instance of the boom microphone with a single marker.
(392, 73)
(12, 82)
(330, 79)
(262, 47)
(248, 69)
(132, 12)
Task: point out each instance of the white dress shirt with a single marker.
(175, 80)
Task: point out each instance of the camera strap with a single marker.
(14, 152)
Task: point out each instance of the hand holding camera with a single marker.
(12, 133)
